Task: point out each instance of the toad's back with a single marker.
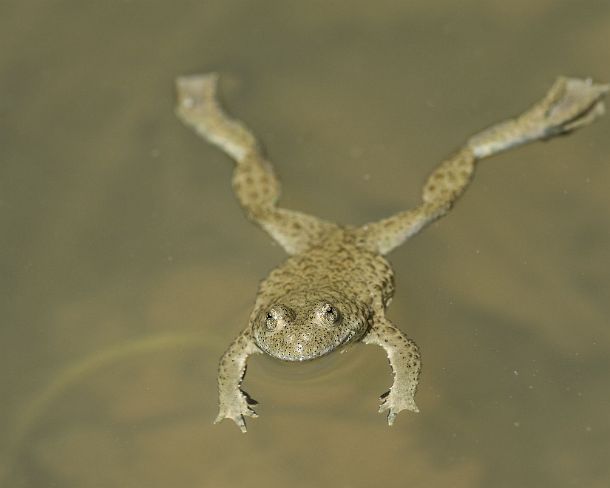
(337, 264)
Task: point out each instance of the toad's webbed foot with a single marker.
(395, 401)
(570, 104)
(236, 407)
(406, 365)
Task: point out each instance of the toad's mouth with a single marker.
(301, 351)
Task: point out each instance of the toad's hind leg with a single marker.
(569, 105)
(254, 182)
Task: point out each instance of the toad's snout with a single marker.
(298, 341)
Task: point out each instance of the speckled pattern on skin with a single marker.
(335, 286)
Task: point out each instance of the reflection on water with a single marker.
(128, 267)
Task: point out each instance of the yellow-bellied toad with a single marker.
(334, 288)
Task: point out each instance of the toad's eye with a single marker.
(331, 314)
(270, 321)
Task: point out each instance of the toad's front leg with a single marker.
(234, 404)
(406, 366)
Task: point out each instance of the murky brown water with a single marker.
(127, 266)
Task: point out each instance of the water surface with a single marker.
(127, 266)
